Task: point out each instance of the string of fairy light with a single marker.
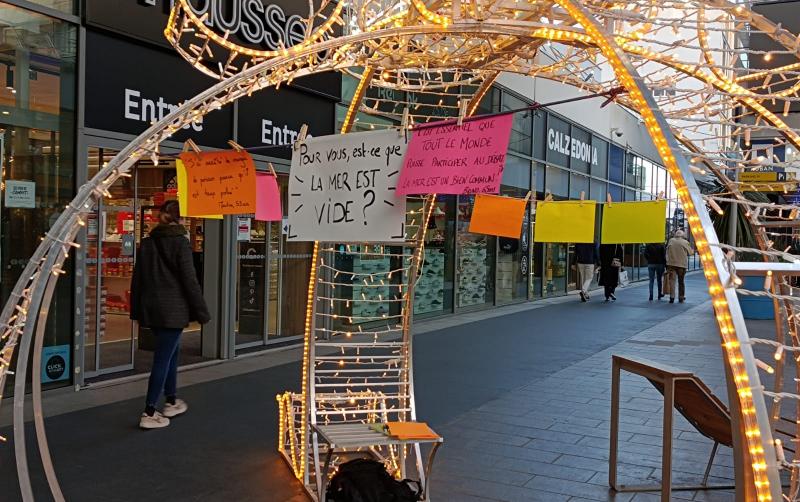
(698, 122)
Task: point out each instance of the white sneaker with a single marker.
(157, 421)
(173, 410)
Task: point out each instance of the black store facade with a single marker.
(250, 274)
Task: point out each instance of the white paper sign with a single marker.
(342, 189)
(243, 229)
(20, 194)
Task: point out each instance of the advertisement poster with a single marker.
(20, 194)
(55, 363)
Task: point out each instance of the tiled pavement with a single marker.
(548, 439)
(521, 395)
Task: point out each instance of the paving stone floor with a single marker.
(521, 395)
(548, 440)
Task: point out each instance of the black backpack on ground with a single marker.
(365, 480)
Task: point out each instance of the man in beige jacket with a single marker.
(678, 252)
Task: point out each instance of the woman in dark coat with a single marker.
(610, 255)
(165, 297)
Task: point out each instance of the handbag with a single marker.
(616, 262)
(623, 278)
(667, 283)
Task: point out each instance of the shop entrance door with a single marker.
(271, 282)
(257, 274)
(112, 342)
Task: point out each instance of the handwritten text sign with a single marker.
(220, 183)
(183, 184)
(342, 189)
(453, 159)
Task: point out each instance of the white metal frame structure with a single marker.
(411, 45)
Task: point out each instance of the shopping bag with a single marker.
(623, 278)
(666, 287)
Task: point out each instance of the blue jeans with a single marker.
(655, 272)
(164, 375)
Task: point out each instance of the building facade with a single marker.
(83, 81)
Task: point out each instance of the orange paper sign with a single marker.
(411, 430)
(220, 183)
(496, 215)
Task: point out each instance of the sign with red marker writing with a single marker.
(453, 159)
(219, 183)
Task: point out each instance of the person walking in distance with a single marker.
(610, 266)
(586, 260)
(165, 297)
(656, 256)
(678, 252)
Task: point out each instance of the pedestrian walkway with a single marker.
(521, 395)
(548, 439)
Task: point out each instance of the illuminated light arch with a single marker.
(33, 292)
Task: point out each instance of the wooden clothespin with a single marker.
(236, 146)
(405, 123)
(462, 110)
(272, 169)
(548, 197)
(583, 196)
(528, 197)
(660, 195)
(301, 137)
(608, 198)
(189, 144)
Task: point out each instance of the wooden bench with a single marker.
(684, 391)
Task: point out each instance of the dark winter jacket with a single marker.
(656, 254)
(609, 276)
(165, 292)
(586, 253)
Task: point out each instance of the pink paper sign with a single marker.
(453, 159)
(268, 198)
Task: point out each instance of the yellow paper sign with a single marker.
(634, 222)
(182, 182)
(565, 221)
(496, 215)
(219, 182)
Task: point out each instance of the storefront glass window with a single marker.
(37, 153)
(114, 230)
(555, 269)
(580, 150)
(521, 127)
(434, 290)
(67, 6)
(538, 179)
(633, 171)
(512, 267)
(557, 141)
(539, 134)
(598, 190)
(557, 182)
(600, 169)
(616, 164)
(490, 102)
(615, 191)
(578, 185)
(475, 260)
